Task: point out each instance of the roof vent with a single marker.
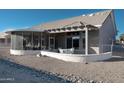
(91, 14)
(100, 13)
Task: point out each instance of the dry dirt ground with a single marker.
(111, 71)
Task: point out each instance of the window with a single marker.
(2, 40)
(73, 42)
(69, 42)
(76, 43)
(31, 41)
(43, 43)
(52, 42)
(17, 41)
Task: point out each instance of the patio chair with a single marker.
(61, 50)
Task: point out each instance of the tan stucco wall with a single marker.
(61, 40)
(107, 32)
(93, 42)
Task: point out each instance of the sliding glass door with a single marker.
(73, 42)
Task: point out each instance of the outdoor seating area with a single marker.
(66, 51)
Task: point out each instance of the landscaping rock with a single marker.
(38, 55)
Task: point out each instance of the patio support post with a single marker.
(22, 41)
(41, 41)
(49, 41)
(86, 41)
(11, 41)
(32, 41)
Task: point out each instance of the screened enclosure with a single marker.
(26, 40)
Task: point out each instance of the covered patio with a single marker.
(74, 36)
(83, 39)
(71, 36)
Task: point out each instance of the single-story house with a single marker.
(5, 39)
(86, 34)
(122, 39)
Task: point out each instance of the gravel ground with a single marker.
(15, 73)
(110, 71)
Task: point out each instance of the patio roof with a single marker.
(3, 35)
(25, 29)
(76, 26)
